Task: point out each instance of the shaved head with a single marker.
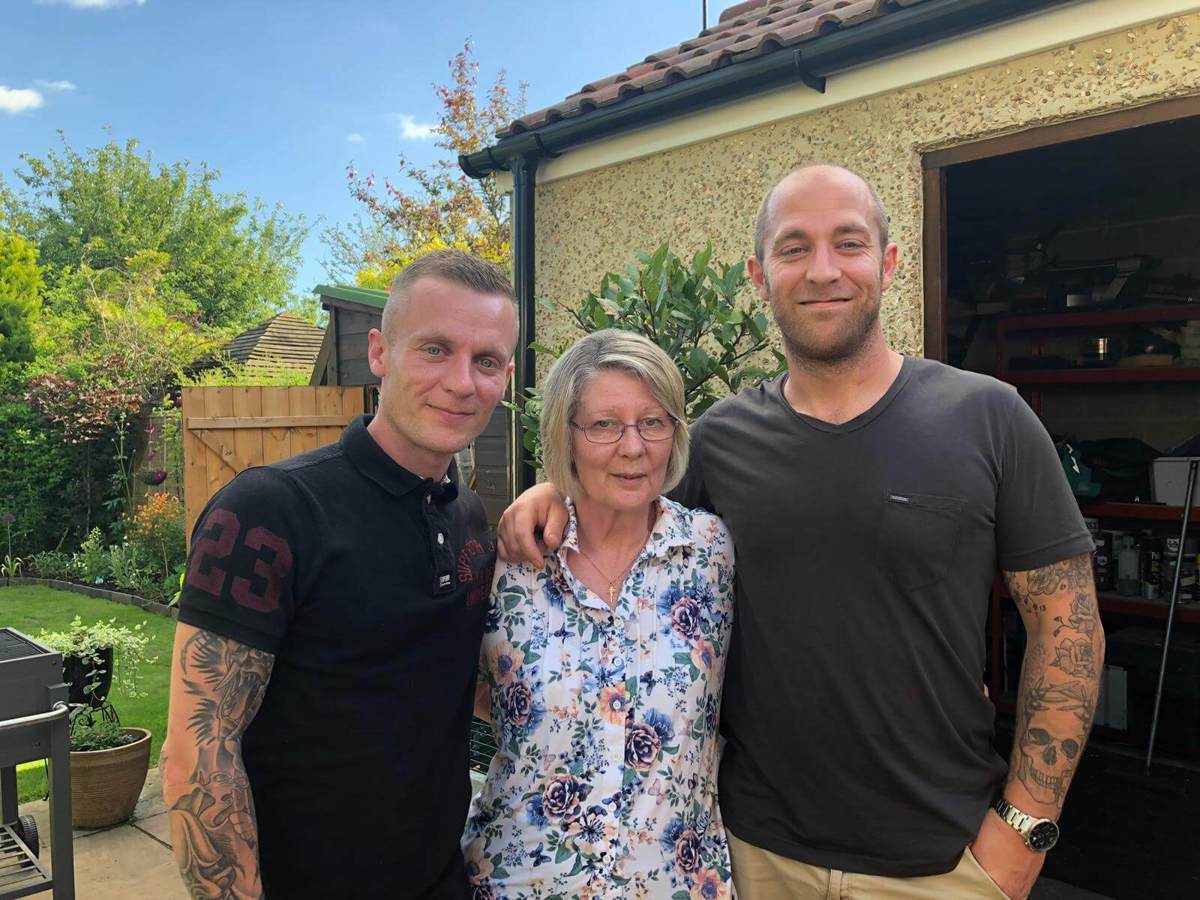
(454, 266)
(766, 210)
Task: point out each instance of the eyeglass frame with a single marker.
(583, 429)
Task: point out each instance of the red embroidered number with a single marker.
(220, 547)
(209, 549)
(273, 573)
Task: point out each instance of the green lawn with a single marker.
(30, 609)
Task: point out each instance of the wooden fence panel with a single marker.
(227, 429)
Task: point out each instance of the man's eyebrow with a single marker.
(793, 234)
(441, 339)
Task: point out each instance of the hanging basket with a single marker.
(106, 784)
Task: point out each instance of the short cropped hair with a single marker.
(762, 224)
(610, 349)
(455, 266)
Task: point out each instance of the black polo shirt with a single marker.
(369, 584)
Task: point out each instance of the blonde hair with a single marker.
(610, 349)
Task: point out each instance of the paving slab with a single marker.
(158, 827)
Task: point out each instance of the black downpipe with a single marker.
(524, 178)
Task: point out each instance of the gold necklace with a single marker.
(612, 582)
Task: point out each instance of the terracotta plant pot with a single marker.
(106, 784)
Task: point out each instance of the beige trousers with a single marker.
(762, 875)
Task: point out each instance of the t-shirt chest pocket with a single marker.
(918, 537)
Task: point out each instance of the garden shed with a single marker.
(284, 342)
(342, 360)
(1037, 161)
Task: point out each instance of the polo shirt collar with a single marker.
(370, 460)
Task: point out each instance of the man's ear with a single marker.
(891, 256)
(376, 353)
(758, 277)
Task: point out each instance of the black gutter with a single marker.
(897, 32)
(524, 176)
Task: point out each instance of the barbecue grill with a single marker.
(33, 725)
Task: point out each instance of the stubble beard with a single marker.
(799, 346)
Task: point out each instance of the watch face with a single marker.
(1043, 836)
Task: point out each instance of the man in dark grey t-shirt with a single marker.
(871, 499)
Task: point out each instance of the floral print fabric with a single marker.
(605, 783)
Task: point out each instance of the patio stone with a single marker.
(158, 827)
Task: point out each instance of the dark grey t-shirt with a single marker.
(859, 737)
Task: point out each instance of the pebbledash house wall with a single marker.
(594, 222)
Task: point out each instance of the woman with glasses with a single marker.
(601, 671)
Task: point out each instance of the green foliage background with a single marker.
(118, 274)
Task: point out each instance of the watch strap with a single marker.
(1023, 823)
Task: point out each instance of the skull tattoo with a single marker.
(1047, 761)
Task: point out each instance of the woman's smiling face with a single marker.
(630, 473)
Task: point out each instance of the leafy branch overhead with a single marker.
(423, 209)
(692, 311)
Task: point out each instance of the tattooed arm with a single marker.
(217, 686)
(1056, 702)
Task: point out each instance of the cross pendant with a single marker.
(612, 593)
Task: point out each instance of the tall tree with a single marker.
(433, 207)
(230, 259)
(20, 286)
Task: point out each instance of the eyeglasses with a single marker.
(609, 431)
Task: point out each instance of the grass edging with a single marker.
(143, 603)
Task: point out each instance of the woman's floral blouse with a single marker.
(605, 783)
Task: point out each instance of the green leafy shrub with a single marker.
(42, 485)
(692, 311)
(53, 564)
(92, 561)
(127, 567)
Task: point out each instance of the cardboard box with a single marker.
(1170, 480)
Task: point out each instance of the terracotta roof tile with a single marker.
(744, 31)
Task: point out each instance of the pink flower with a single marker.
(703, 655)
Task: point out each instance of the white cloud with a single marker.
(90, 4)
(412, 130)
(355, 138)
(62, 85)
(17, 100)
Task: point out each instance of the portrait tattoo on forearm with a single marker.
(213, 825)
(1060, 678)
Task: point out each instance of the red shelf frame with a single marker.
(1102, 376)
(1099, 317)
(1149, 511)
(1119, 605)
(1091, 319)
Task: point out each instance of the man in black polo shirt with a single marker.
(329, 628)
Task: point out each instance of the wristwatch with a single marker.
(1038, 834)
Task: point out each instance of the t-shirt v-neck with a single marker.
(863, 419)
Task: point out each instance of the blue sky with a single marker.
(270, 91)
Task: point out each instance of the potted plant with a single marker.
(109, 762)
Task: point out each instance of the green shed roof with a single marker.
(365, 296)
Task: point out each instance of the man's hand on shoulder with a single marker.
(532, 526)
(1005, 858)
